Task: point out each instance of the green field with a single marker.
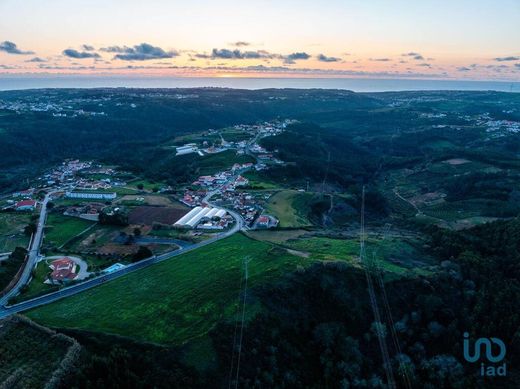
(174, 301)
(147, 185)
(11, 230)
(59, 229)
(289, 207)
(213, 163)
(395, 256)
(258, 181)
(36, 287)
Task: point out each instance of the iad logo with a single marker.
(492, 369)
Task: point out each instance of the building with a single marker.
(91, 195)
(24, 193)
(197, 215)
(263, 221)
(25, 205)
(63, 269)
(241, 181)
(187, 149)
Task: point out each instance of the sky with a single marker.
(457, 39)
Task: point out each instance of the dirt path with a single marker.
(418, 211)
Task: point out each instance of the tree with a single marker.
(18, 254)
(142, 253)
(29, 229)
(137, 231)
(117, 217)
(140, 186)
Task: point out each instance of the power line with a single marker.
(235, 334)
(246, 263)
(388, 312)
(373, 301)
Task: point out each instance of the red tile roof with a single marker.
(63, 268)
(26, 203)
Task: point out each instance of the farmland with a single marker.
(174, 301)
(148, 215)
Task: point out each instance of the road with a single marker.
(93, 282)
(33, 253)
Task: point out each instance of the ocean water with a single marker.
(11, 82)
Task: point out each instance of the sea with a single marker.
(19, 82)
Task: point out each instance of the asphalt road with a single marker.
(32, 254)
(85, 285)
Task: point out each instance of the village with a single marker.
(100, 219)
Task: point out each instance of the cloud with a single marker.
(504, 59)
(88, 47)
(291, 58)
(324, 58)
(517, 65)
(414, 55)
(142, 52)
(380, 59)
(241, 44)
(254, 54)
(71, 53)
(11, 48)
(36, 59)
(426, 65)
(237, 54)
(463, 69)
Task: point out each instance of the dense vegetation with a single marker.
(32, 356)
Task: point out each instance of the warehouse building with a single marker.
(197, 214)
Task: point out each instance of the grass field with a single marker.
(395, 256)
(288, 207)
(213, 163)
(258, 181)
(11, 230)
(147, 185)
(36, 287)
(174, 301)
(59, 229)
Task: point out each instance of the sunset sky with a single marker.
(457, 39)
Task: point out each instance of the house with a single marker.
(241, 181)
(24, 193)
(263, 221)
(25, 205)
(63, 269)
